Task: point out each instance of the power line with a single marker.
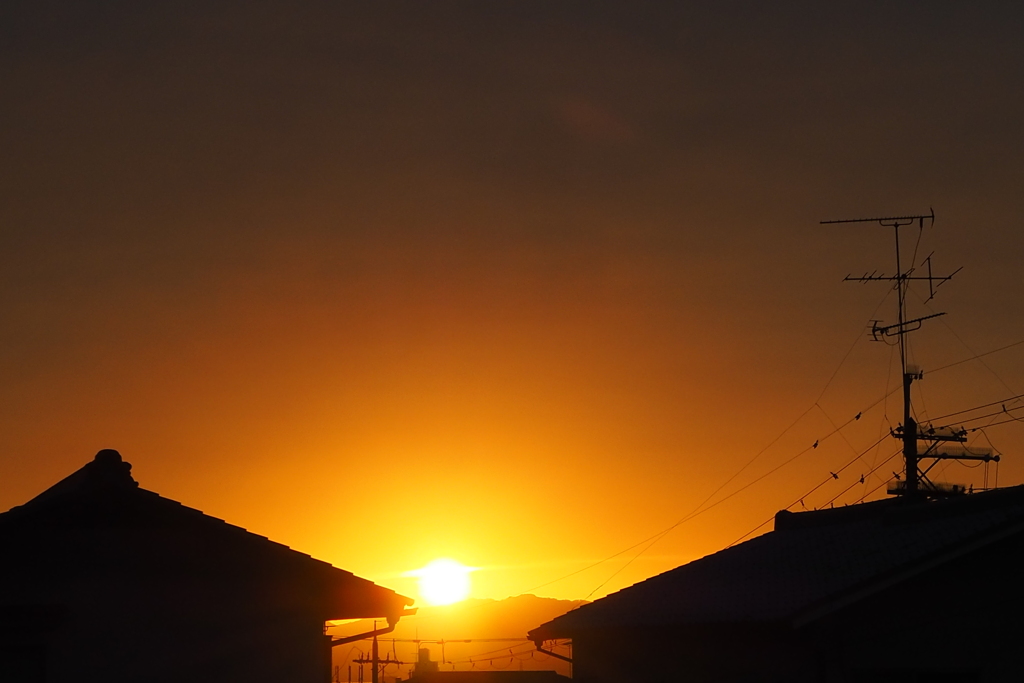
(690, 514)
(983, 405)
(831, 477)
(877, 487)
(651, 540)
(996, 424)
(841, 435)
(860, 336)
(841, 493)
(775, 469)
(987, 415)
(697, 510)
(980, 355)
(480, 658)
(977, 356)
(904, 326)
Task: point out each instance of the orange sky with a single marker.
(511, 283)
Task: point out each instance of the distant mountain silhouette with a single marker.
(470, 619)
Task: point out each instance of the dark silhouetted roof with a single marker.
(810, 563)
(99, 519)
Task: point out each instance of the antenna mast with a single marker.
(916, 483)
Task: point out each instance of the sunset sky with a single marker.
(514, 283)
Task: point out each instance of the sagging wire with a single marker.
(864, 478)
(977, 356)
(861, 499)
(832, 476)
(698, 510)
(651, 540)
(1000, 402)
(843, 436)
(885, 411)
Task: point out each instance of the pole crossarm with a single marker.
(986, 457)
(959, 436)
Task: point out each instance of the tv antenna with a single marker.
(915, 482)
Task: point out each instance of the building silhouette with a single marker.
(893, 590)
(424, 665)
(104, 581)
(427, 671)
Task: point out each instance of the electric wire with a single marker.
(508, 652)
(983, 405)
(860, 336)
(841, 435)
(685, 517)
(836, 497)
(975, 356)
(885, 411)
(697, 511)
(1015, 419)
(650, 540)
(861, 499)
(996, 424)
(830, 478)
(740, 490)
(978, 356)
(976, 418)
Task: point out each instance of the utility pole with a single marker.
(374, 675)
(374, 661)
(378, 664)
(915, 481)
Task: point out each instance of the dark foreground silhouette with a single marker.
(893, 590)
(103, 581)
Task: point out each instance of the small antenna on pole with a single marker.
(915, 483)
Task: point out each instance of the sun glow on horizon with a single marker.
(443, 581)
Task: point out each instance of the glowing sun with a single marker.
(443, 582)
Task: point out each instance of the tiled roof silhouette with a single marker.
(72, 521)
(811, 563)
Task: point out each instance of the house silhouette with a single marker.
(104, 581)
(892, 590)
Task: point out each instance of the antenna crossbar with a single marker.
(895, 278)
(887, 220)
